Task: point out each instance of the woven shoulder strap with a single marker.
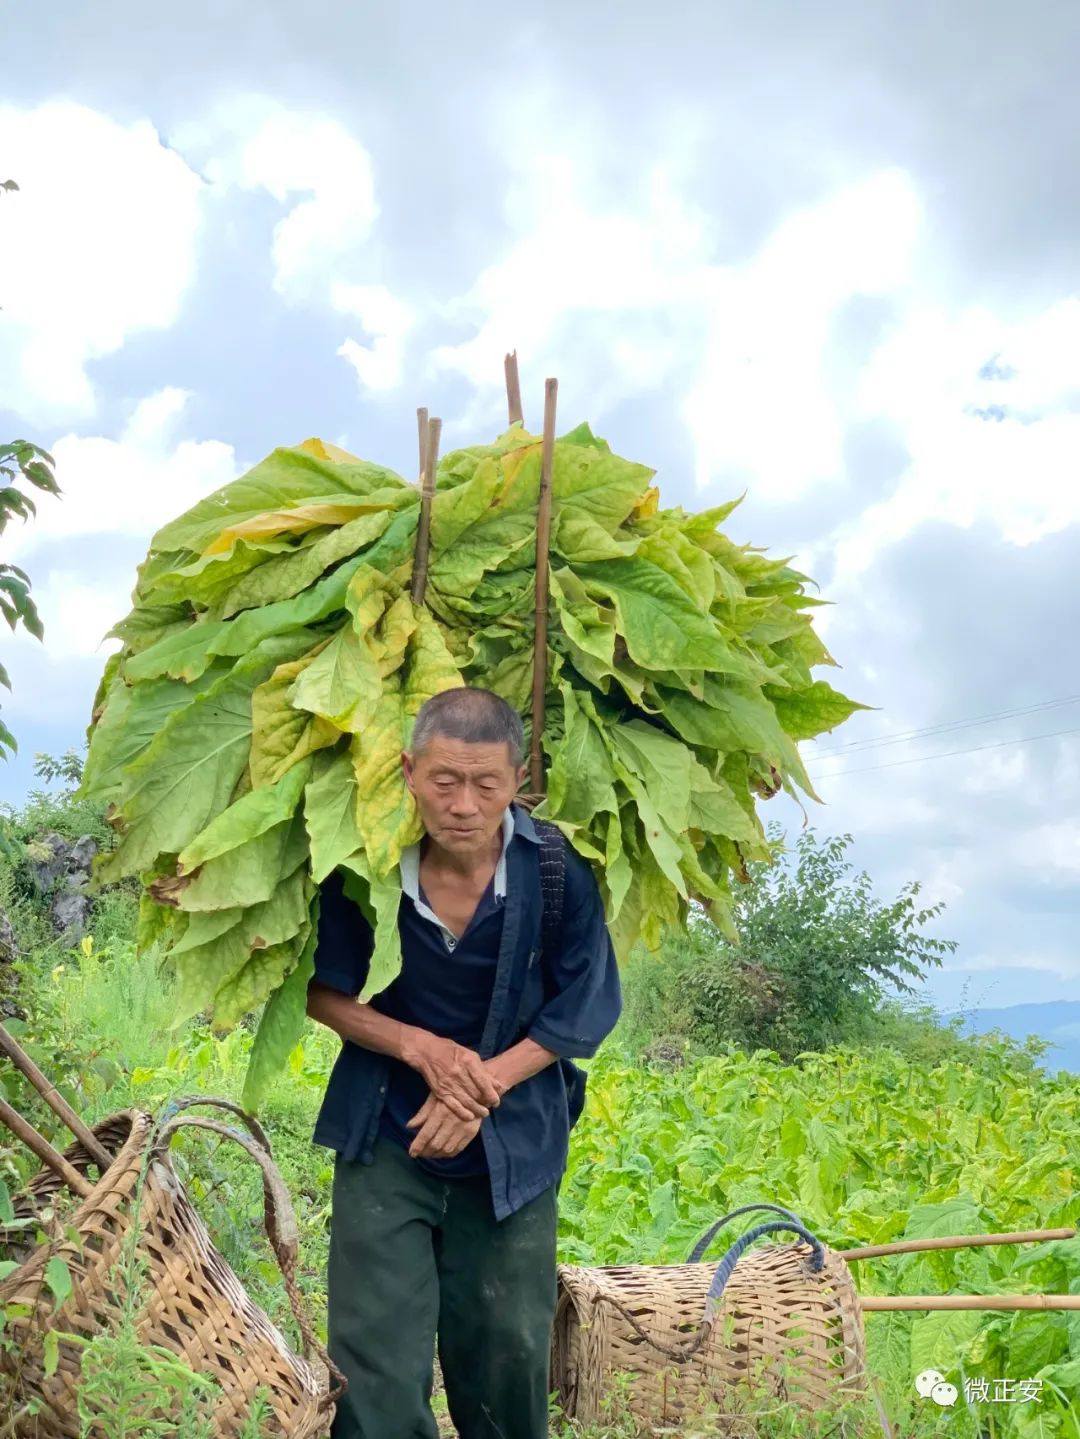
(552, 882)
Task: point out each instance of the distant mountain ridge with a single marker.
(1057, 1021)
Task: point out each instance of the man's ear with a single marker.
(523, 770)
(408, 769)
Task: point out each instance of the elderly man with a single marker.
(451, 1103)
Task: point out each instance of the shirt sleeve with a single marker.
(345, 941)
(585, 998)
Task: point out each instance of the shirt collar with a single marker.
(410, 861)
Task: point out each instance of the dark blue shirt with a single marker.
(568, 1002)
(445, 988)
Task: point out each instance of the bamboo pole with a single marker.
(513, 389)
(421, 434)
(954, 1241)
(55, 1100)
(427, 490)
(39, 1145)
(543, 549)
(876, 1303)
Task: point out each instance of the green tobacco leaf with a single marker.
(330, 813)
(342, 684)
(186, 776)
(281, 1025)
(205, 579)
(581, 779)
(386, 814)
(258, 811)
(248, 873)
(262, 972)
(659, 838)
(282, 735)
(803, 714)
(132, 718)
(211, 956)
(476, 527)
(597, 484)
(382, 899)
(281, 577)
(662, 628)
(662, 763)
(938, 1339)
(286, 478)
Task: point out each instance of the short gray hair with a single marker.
(474, 715)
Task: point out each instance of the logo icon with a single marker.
(932, 1384)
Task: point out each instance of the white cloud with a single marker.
(380, 365)
(1061, 966)
(990, 413)
(97, 245)
(747, 342)
(1052, 850)
(77, 613)
(309, 163)
(324, 179)
(127, 486)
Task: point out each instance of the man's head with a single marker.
(464, 766)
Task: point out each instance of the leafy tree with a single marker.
(820, 958)
(21, 464)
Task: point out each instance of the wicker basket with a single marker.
(195, 1306)
(686, 1333)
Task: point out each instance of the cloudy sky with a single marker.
(824, 253)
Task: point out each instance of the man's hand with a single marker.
(441, 1133)
(455, 1075)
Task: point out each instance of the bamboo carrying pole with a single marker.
(954, 1241)
(39, 1145)
(869, 1303)
(513, 389)
(429, 459)
(55, 1100)
(421, 434)
(543, 548)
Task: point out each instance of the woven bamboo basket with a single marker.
(191, 1303)
(685, 1334)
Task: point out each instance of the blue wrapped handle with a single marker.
(726, 1267)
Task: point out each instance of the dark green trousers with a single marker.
(416, 1260)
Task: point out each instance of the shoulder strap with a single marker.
(552, 881)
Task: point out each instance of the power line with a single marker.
(949, 754)
(855, 746)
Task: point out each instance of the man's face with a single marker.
(462, 791)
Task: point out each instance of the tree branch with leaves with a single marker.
(21, 463)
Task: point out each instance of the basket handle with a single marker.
(210, 1101)
(726, 1267)
(280, 1219)
(697, 1254)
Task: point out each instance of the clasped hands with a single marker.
(463, 1093)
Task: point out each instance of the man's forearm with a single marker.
(521, 1062)
(361, 1024)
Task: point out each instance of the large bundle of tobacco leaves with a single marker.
(247, 735)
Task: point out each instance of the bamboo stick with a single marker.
(954, 1241)
(513, 389)
(876, 1303)
(543, 548)
(421, 432)
(427, 490)
(39, 1145)
(54, 1099)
